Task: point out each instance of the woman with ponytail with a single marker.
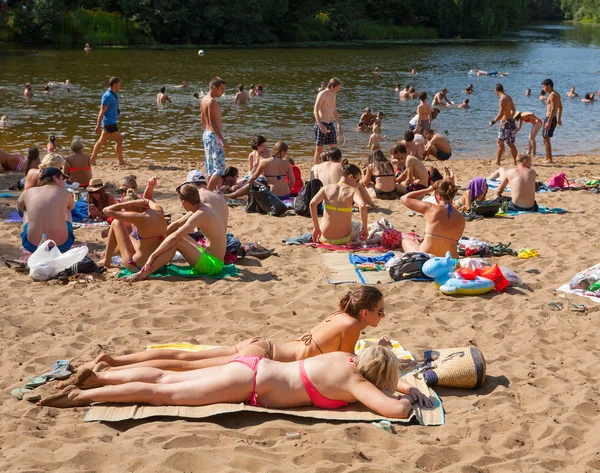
(444, 225)
(336, 226)
(362, 307)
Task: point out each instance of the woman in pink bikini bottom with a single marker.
(326, 381)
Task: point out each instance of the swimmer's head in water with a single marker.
(163, 90)
(446, 189)
(196, 95)
(423, 95)
(52, 139)
(466, 101)
(444, 91)
(280, 149)
(434, 113)
(379, 366)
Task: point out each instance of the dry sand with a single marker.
(538, 410)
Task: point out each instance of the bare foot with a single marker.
(102, 366)
(67, 398)
(121, 163)
(140, 276)
(548, 161)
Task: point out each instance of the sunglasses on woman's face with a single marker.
(380, 312)
(123, 190)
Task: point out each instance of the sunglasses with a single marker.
(380, 312)
(177, 189)
(123, 191)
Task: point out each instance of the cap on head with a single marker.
(196, 177)
(49, 173)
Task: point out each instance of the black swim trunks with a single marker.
(389, 195)
(442, 155)
(329, 138)
(415, 187)
(516, 208)
(549, 133)
(110, 129)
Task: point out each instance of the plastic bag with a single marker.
(45, 262)
(267, 202)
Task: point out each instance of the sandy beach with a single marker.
(538, 410)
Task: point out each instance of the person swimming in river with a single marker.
(444, 225)
(361, 308)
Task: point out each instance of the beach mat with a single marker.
(346, 247)
(13, 217)
(541, 210)
(341, 271)
(90, 222)
(172, 270)
(354, 412)
(578, 292)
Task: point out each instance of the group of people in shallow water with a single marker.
(318, 368)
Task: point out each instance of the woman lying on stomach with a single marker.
(327, 381)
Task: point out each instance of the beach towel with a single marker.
(171, 270)
(13, 217)
(90, 222)
(341, 271)
(580, 283)
(353, 412)
(7, 195)
(346, 247)
(541, 210)
(578, 292)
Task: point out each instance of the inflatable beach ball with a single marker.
(201, 52)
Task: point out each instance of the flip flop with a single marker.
(18, 393)
(578, 308)
(525, 253)
(60, 369)
(555, 306)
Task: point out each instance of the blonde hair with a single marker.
(77, 144)
(379, 366)
(130, 195)
(52, 160)
(280, 149)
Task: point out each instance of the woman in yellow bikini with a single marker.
(336, 226)
(361, 308)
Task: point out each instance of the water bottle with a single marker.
(44, 238)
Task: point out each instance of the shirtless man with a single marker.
(424, 113)
(571, 93)
(404, 94)
(508, 125)
(325, 113)
(440, 97)
(209, 260)
(209, 198)
(28, 92)
(414, 176)
(214, 141)
(366, 119)
(465, 104)
(240, 97)
(162, 98)
(522, 184)
(183, 85)
(437, 146)
(47, 210)
(414, 148)
(554, 110)
(107, 119)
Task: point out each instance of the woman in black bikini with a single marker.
(361, 308)
(379, 177)
(444, 224)
(275, 170)
(149, 228)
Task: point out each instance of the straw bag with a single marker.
(462, 367)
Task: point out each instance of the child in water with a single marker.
(51, 147)
(376, 138)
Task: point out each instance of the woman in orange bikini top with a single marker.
(361, 308)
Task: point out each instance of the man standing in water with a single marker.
(107, 118)
(553, 116)
(325, 112)
(508, 125)
(214, 142)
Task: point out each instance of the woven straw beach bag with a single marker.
(462, 367)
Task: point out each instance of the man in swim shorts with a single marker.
(207, 260)
(414, 175)
(214, 141)
(47, 210)
(106, 124)
(554, 110)
(325, 113)
(508, 126)
(438, 146)
(522, 184)
(424, 114)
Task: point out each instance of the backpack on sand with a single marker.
(409, 266)
(302, 201)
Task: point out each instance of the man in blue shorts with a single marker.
(325, 112)
(214, 141)
(107, 120)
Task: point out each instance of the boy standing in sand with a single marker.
(507, 124)
(424, 113)
(106, 124)
(553, 116)
(214, 141)
(325, 113)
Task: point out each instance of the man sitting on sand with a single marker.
(414, 175)
(209, 198)
(522, 185)
(413, 147)
(437, 146)
(208, 260)
(47, 210)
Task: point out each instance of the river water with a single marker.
(569, 55)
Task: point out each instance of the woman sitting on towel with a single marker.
(336, 226)
(477, 191)
(444, 224)
(275, 170)
(361, 308)
(327, 381)
(148, 229)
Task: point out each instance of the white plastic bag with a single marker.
(45, 262)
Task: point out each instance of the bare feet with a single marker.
(67, 398)
(140, 276)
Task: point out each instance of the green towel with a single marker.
(184, 272)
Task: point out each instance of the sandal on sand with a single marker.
(60, 369)
(555, 306)
(17, 266)
(578, 308)
(258, 251)
(502, 249)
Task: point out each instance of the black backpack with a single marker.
(409, 266)
(263, 201)
(486, 208)
(302, 201)
(434, 175)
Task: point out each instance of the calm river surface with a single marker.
(569, 55)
